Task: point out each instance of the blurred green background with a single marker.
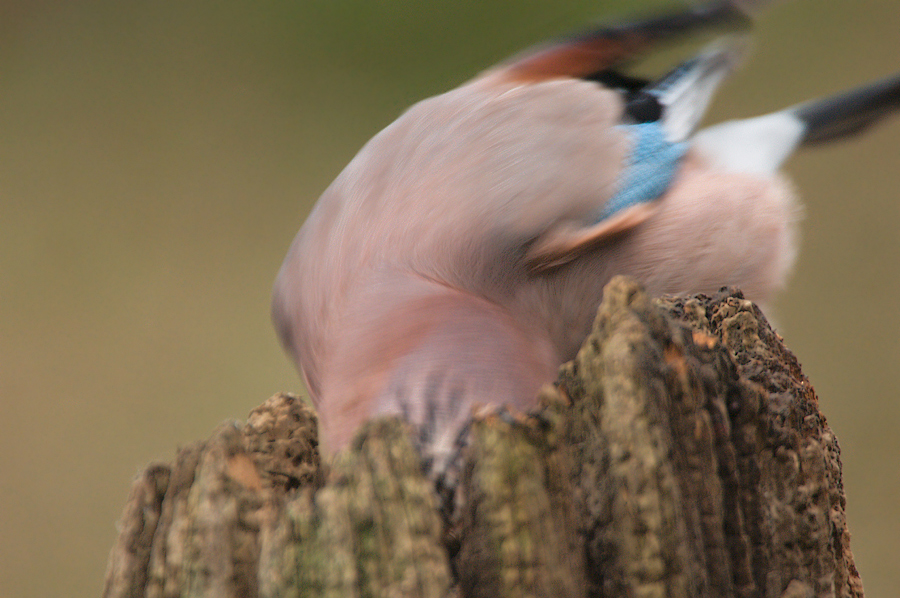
(156, 158)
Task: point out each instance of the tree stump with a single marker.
(681, 454)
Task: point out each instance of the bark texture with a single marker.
(681, 454)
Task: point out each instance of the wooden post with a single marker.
(681, 454)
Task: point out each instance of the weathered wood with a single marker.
(681, 453)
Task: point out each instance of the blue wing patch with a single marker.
(651, 167)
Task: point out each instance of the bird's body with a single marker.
(461, 255)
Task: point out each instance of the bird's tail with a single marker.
(848, 113)
(763, 143)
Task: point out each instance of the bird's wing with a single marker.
(657, 146)
(600, 48)
(591, 55)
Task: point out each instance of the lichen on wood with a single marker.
(681, 453)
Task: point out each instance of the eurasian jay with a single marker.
(460, 257)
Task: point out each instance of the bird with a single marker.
(460, 257)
